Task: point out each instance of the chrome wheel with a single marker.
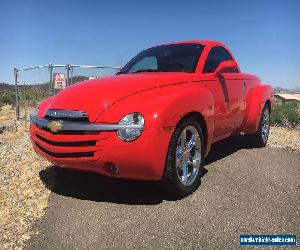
(188, 155)
(265, 125)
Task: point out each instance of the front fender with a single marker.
(43, 106)
(162, 109)
(255, 101)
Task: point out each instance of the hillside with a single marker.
(39, 88)
(5, 87)
(33, 92)
(285, 90)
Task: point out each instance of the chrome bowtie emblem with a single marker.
(55, 126)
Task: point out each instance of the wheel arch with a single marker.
(256, 99)
(269, 105)
(200, 119)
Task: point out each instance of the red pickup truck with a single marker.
(157, 118)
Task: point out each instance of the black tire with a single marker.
(171, 182)
(258, 139)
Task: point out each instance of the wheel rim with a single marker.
(265, 124)
(188, 155)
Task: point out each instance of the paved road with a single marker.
(243, 191)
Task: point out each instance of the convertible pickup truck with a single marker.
(157, 118)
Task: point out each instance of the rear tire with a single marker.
(260, 138)
(184, 161)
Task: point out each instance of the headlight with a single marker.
(34, 113)
(130, 134)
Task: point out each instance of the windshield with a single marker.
(165, 58)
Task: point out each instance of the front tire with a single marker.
(184, 162)
(260, 138)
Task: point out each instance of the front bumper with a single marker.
(74, 126)
(94, 146)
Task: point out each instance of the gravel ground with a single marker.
(8, 114)
(23, 197)
(244, 191)
(285, 138)
(26, 182)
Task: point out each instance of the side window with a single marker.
(216, 55)
(149, 62)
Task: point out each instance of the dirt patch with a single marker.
(23, 197)
(8, 114)
(285, 138)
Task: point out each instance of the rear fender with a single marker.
(255, 101)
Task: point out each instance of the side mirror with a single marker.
(225, 65)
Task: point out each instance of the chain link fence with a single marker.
(33, 84)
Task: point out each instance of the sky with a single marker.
(264, 36)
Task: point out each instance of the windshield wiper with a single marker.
(145, 70)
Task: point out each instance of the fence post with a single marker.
(68, 73)
(25, 105)
(50, 67)
(17, 94)
(71, 67)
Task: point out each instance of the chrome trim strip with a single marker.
(83, 125)
(66, 113)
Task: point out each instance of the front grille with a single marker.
(48, 141)
(63, 132)
(69, 119)
(67, 115)
(67, 144)
(65, 155)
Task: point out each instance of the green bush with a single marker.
(7, 98)
(31, 97)
(287, 115)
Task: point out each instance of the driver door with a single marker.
(228, 91)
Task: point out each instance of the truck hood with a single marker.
(97, 95)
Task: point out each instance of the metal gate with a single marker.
(73, 73)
